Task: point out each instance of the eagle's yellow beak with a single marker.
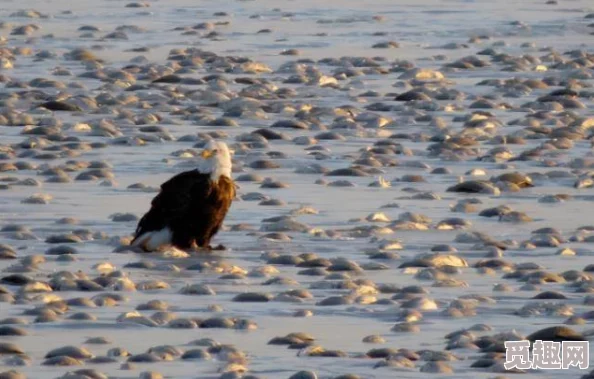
(205, 154)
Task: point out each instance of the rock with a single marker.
(86, 373)
(253, 297)
(60, 106)
(182, 323)
(304, 375)
(197, 289)
(12, 374)
(550, 295)
(70, 351)
(9, 330)
(475, 186)
(421, 303)
(145, 358)
(556, 333)
(38, 198)
(7, 348)
(422, 74)
(335, 300)
(514, 216)
(437, 367)
(62, 360)
(374, 338)
(200, 354)
(123, 217)
(519, 179)
(347, 172)
(285, 225)
(406, 327)
(436, 260)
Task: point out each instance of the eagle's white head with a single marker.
(215, 160)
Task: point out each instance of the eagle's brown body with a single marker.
(188, 211)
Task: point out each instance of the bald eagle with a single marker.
(190, 208)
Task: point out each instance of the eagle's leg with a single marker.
(200, 244)
(182, 240)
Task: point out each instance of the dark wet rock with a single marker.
(550, 295)
(496, 211)
(64, 238)
(7, 348)
(155, 305)
(341, 183)
(341, 264)
(182, 323)
(330, 136)
(557, 334)
(70, 351)
(198, 354)
(335, 300)
(123, 217)
(62, 360)
(9, 330)
(383, 255)
(314, 271)
(437, 367)
(145, 358)
(475, 187)
(347, 172)
(84, 374)
(197, 289)
(413, 95)
(374, 339)
(12, 374)
(292, 339)
(386, 45)
(16, 279)
(13, 321)
(252, 297)
(168, 79)
(217, 322)
(289, 260)
(516, 178)
(61, 250)
(98, 341)
(60, 106)
(515, 216)
(270, 135)
(7, 252)
(406, 327)
(304, 375)
(166, 350)
(318, 351)
(264, 165)
(290, 124)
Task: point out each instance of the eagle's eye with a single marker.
(215, 151)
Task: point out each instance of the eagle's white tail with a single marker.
(151, 241)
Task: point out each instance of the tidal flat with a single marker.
(415, 186)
